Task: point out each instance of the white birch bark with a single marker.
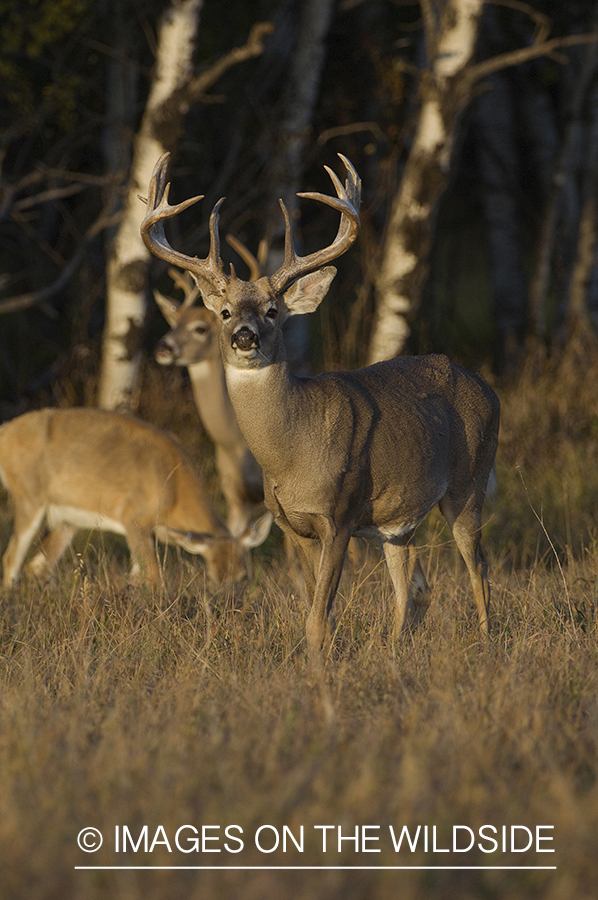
(406, 247)
(127, 270)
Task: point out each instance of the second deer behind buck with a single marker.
(367, 452)
(193, 342)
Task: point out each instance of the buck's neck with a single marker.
(269, 403)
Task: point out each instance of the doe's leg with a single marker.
(144, 563)
(52, 548)
(307, 552)
(26, 525)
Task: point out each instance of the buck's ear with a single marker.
(211, 298)
(306, 294)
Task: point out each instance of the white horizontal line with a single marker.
(298, 868)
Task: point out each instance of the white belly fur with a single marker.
(388, 532)
(82, 518)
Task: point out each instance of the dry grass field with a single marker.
(140, 712)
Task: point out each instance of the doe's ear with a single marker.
(168, 308)
(306, 294)
(257, 532)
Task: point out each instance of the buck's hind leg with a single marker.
(466, 528)
(412, 592)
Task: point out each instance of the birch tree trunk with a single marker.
(127, 271)
(404, 263)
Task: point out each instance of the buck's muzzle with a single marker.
(245, 339)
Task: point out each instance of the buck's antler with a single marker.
(347, 203)
(210, 269)
(154, 237)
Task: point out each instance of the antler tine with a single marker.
(184, 281)
(213, 257)
(246, 255)
(347, 203)
(262, 253)
(352, 182)
(154, 237)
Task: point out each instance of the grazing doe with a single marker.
(366, 452)
(193, 341)
(88, 468)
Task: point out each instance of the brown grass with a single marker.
(121, 706)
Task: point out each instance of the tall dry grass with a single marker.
(123, 706)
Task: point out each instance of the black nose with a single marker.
(245, 339)
(164, 350)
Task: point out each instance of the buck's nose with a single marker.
(245, 339)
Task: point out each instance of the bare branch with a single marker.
(254, 46)
(36, 298)
(541, 21)
(80, 177)
(516, 57)
(8, 192)
(76, 182)
(354, 127)
(56, 193)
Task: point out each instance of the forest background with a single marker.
(507, 247)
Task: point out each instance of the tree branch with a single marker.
(35, 298)
(516, 57)
(541, 21)
(254, 46)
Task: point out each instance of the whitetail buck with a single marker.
(88, 468)
(368, 452)
(193, 341)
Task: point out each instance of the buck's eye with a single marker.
(199, 329)
(272, 313)
(225, 314)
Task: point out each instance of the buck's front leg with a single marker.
(328, 573)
